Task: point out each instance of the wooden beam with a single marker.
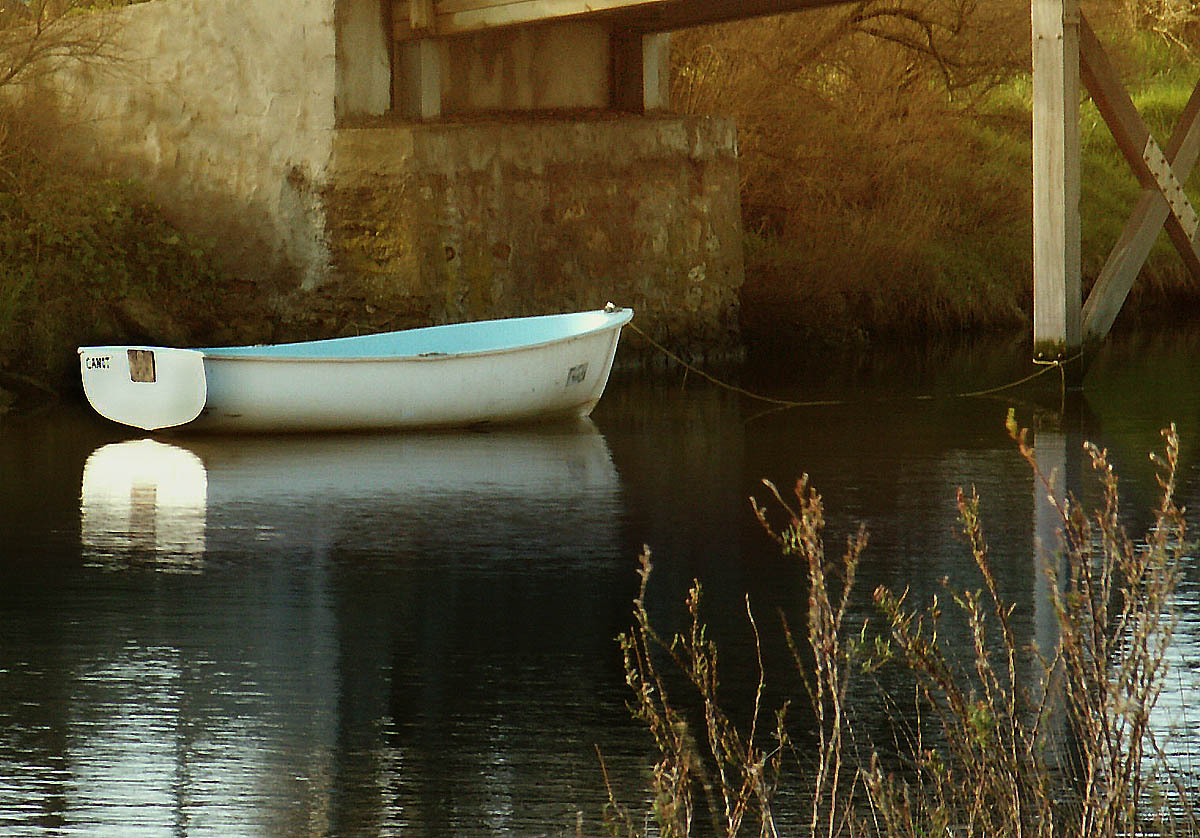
(1140, 149)
(457, 17)
(1141, 231)
(420, 15)
(656, 72)
(418, 79)
(641, 71)
(1056, 231)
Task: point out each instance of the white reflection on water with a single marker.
(152, 500)
(219, 703)
(144, 495)
(1175, 721)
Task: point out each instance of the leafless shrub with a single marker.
(816, 90)
(37, 37)
(1115, 622)
(829, 650)
(712, 764)
(1175, 21)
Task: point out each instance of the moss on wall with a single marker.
(440, 223)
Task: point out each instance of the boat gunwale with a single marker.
(215, 353)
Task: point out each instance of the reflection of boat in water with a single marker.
(181, 500)
(145, 495)
(352, 599)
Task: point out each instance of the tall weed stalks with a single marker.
(1008, 739)
(711, 763)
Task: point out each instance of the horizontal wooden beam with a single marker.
(459, 17)
(668, 15)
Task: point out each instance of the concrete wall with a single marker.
(225, 110)
(436, 223)
(564, 65)
(364, 63)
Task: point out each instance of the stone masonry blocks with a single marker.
(458, 222)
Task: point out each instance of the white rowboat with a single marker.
(493, 371)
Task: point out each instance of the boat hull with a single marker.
(517, 370)
(536, 383)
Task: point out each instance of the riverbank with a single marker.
(94, 260)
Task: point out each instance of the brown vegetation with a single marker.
(87, 259)
(83, 258)
(885, 159)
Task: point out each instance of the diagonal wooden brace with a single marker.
(1162, 176)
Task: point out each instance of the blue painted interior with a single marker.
(453, 339)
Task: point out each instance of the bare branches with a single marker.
(38, 38)
(711, 761)
(831, 655)
(1115, 621)
(1175, 21)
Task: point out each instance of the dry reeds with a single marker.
(712, 763)
(1009, 741)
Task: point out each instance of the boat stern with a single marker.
(147, 387)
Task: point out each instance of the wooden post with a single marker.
(420, 15)
(641, 71)
(656, 71)
(418, 82)
(1056, 234)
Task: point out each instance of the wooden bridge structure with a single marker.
(443, 18)
(1065, 51)
(635, 28)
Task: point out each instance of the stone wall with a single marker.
(437, 223)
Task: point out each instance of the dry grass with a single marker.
(885, 161)
(711, 763)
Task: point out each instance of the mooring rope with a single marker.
(1046, 366)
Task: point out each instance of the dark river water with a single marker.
(414, 634)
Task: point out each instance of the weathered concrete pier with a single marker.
(417, 169)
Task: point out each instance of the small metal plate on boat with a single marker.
(141, 365)
(576, 374)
